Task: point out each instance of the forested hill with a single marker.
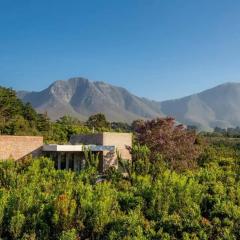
(19, 118)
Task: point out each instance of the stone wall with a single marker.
(18, 147)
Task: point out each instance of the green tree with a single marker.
(98, 121)
(16, 117)
(64, 127)
(69, 235)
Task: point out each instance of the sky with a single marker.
(159, 49)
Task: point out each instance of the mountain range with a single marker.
(79, 97)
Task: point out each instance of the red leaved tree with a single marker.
(176, 144)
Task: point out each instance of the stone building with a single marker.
(107, 146)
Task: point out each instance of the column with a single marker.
(67, 160)
(83, 162)
(76, 162)
(59, 160)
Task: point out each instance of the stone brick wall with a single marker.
(18, 147)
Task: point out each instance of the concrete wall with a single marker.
(18, 147)
(96, 139)
(120, 140)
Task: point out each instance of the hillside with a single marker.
(218, 106)
(79, 97)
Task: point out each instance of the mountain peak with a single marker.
(72, 81)
(80, 97)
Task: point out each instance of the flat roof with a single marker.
(76, 148)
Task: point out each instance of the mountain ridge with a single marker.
(80, 97)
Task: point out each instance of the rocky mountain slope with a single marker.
(79, 97)
(218, 106)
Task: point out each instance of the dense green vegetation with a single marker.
(18, 118)
(229, 132)
(39, 202)
(179, 185)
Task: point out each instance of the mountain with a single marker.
(218, 106)
(79, 97)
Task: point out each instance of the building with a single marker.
(106, 146)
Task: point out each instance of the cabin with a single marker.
(106, 146)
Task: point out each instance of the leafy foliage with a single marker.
(64, 127)
(18, 118)
(177, 145)
(98, 121)
(40, 202)
(173, 188)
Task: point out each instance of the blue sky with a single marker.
(158, 49)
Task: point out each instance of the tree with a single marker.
(16, 117)
(10, 105)
(38, 201)
(64, 127)
(43, 122)
(69, 235)
(120, 127)
(98, 121)
(175, 143)
(29, 113)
